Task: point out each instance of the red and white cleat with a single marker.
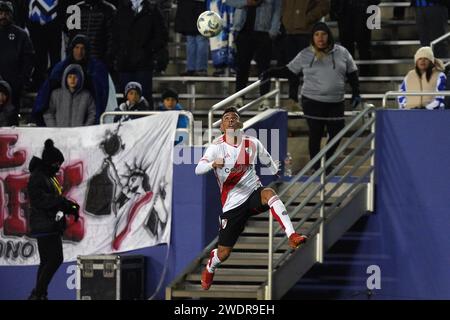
(296, 240)
(207, 279)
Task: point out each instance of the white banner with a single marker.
(120, 175)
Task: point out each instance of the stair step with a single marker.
(233, 275)
(217, 291)
(262, 227)
(249, 259)
(298, 216)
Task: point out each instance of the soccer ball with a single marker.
(209, 24)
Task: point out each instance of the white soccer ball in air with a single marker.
(209, 24)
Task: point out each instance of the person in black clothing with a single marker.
(97, 18)
(352, 16)
(7, 114)
(44, 20)
(47, 215)
(138, 34)
(432, 22)
(16, 54)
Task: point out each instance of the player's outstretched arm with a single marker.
(208, 161)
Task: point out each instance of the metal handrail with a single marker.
(412, 93)
(437, 40)
(188, 114)
(250, 104)
(229, 100)
(368, 110)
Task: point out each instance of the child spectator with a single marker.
(71, 105)
(7, 110)
(134, 102)
(427, 76)
(169, 102)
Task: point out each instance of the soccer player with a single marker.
(233, 157)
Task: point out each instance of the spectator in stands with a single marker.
(196, 44)
(170, 102)
(134, 102)
(96, 78)
(97, 18)
(428, 75)
(257, 23)
(138, 35)
(16, 54)
(223, 49)
(71, 105)
(352, 22)
(45, 20)
(7, 110)
(298, 18)
(325, 66)
(432, 22)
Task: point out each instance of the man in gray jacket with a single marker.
(257, 23)
(71, 105)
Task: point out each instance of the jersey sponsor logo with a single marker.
(223, 223)
(239, 168)
(11, 36)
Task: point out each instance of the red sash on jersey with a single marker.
(240, 168)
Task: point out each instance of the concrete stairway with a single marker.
(244, 274)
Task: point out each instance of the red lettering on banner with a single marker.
(73, 176)
(9, 159)
(15, 223)
(2, 204)
(14, 214)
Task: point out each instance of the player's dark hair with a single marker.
(231, 109)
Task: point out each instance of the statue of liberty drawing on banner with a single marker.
(124, 195)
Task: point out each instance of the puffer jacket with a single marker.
(7, 112)
(97, 19)
(45, 200)
(137, 37)
(69, 109)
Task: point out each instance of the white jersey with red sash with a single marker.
(237, 179)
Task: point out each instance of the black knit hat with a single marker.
(322, 26)
(6, 6)
(51, 154)
(133, 85)
(169, 93)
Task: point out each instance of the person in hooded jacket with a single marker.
(71, 105)
(96, 22)
(135, 102)
(47, 215)
(96, 79)
(325, 66)
(8, 114)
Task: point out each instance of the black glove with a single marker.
(71, 208)
(356, 100)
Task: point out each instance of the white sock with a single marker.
(213, 261)
(279, 212)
